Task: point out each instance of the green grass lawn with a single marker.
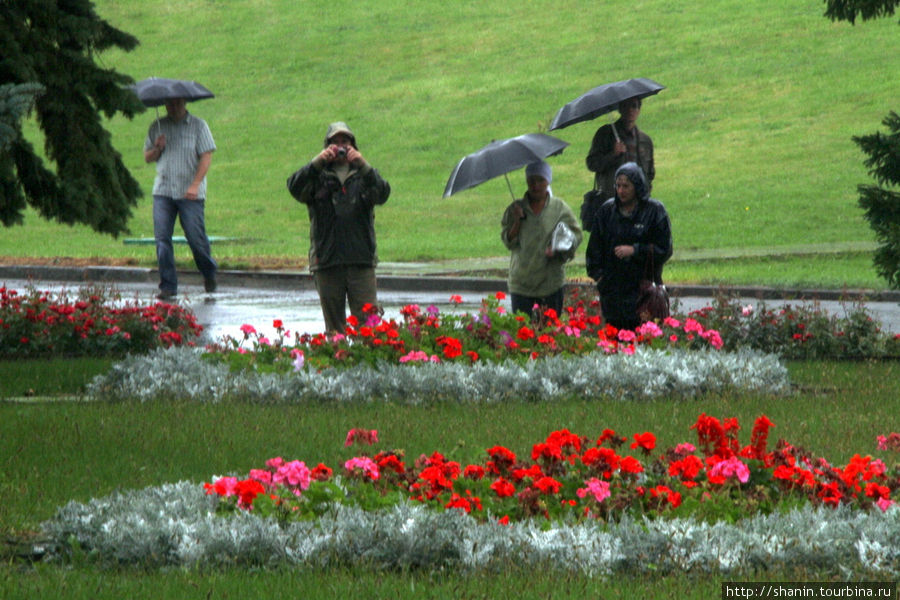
(50, 377)
(752, 133)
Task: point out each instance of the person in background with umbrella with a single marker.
(613, 145)
(340, 190)
(630, 229)
(536, 270)
(181, 145)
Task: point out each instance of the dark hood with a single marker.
(635, 174)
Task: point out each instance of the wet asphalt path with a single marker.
(294, 302)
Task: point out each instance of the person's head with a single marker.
(339, 134)
(631, 184)
(176, 107)
(538, 176)
(630, 109)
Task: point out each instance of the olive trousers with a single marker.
(343, 284)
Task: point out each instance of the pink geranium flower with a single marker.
(650, 329)
(363, 464)
(294, 473)
(596, 488)
(261, 475)
(692, 326)
(363, 436)
(626, 335)
(299, 359)
(884, 503)
(731, 467)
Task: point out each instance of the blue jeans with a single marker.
(190, 213)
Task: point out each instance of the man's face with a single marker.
(175, 107)
(342, 141)
(630, 109)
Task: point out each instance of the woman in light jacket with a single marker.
(536, 272)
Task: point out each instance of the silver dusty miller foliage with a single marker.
(181, 373)
(176, 525)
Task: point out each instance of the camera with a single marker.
(341, 152)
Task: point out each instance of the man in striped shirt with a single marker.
(181, 145)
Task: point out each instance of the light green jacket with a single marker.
(531, 272)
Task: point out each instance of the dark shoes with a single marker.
(208, 284)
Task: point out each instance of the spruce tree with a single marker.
(53, 44)
(848, 10)
(881, 205)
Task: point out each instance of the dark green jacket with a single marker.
(603, 162)
(341, 216)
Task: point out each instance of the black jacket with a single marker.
(647, 229)
(341, 216)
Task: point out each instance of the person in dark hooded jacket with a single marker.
(629, 229)
(340, 190)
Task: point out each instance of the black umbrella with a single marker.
(499, 158)
(602, 100)
(154, 91)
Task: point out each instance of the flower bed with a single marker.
(569, 477)
(800, 331)
(92, 323)
(428, 336)
(492, 335)
(574, 504)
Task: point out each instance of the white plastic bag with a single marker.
(562, 239)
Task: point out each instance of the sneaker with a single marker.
(209, 285)
(165, 295)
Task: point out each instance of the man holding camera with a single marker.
(340, 190)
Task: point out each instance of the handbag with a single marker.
(653, 298)
(593, 199)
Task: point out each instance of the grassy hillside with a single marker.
(752, 133)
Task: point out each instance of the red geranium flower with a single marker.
(321, 473)
(473, 472)
(629, 464)
(548, 485)
(646, 441)
(503, 488)
(525, 333)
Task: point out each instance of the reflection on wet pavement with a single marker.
(224, 312)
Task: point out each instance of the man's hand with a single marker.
(353, 156)
(329, 153)
(191, 193)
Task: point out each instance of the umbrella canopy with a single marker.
(154, 91)
(499, 158)
(602, 100)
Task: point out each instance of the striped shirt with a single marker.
(186, 141)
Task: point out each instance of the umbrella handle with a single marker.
(509, 185)
(616, 133)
